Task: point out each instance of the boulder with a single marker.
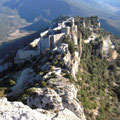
(63, 95)
(57, 71)
(45, 98)
(18, 111)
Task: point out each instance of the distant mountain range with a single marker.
(34, 15)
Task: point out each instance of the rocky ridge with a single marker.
(49, 104)
(50, 94)
(43, 74)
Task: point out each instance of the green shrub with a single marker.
(63, 55)
(41, 73)
(30, 90)
(43, 84)
(107, 107)
(99, 118)
(69, 76)
(2, 90)
(89, 104)
(51, 68)
(23, 98)
(62, 65)
(55, 62)
(71, 45)
(101, 110)
(36, 84)
(53, 75)
(45, 72)
(12, 82)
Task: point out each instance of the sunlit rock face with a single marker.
(19, 111)
(62, 96)
(45, 99)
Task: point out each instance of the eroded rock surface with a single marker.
(45, 98)
(19, 111)
(62, 95)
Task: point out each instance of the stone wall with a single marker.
(67, 27)
(58, 38)
(43, 44)
(25, 54)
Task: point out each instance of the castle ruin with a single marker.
(51, 39)
(53, 36)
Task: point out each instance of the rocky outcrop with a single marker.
(68, 92)
(62, 95)
(72, 63)
(45, 98)
(19, 111)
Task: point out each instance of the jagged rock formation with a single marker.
(72, 63)
(57, 103)
(19, 111)
(62, 95)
